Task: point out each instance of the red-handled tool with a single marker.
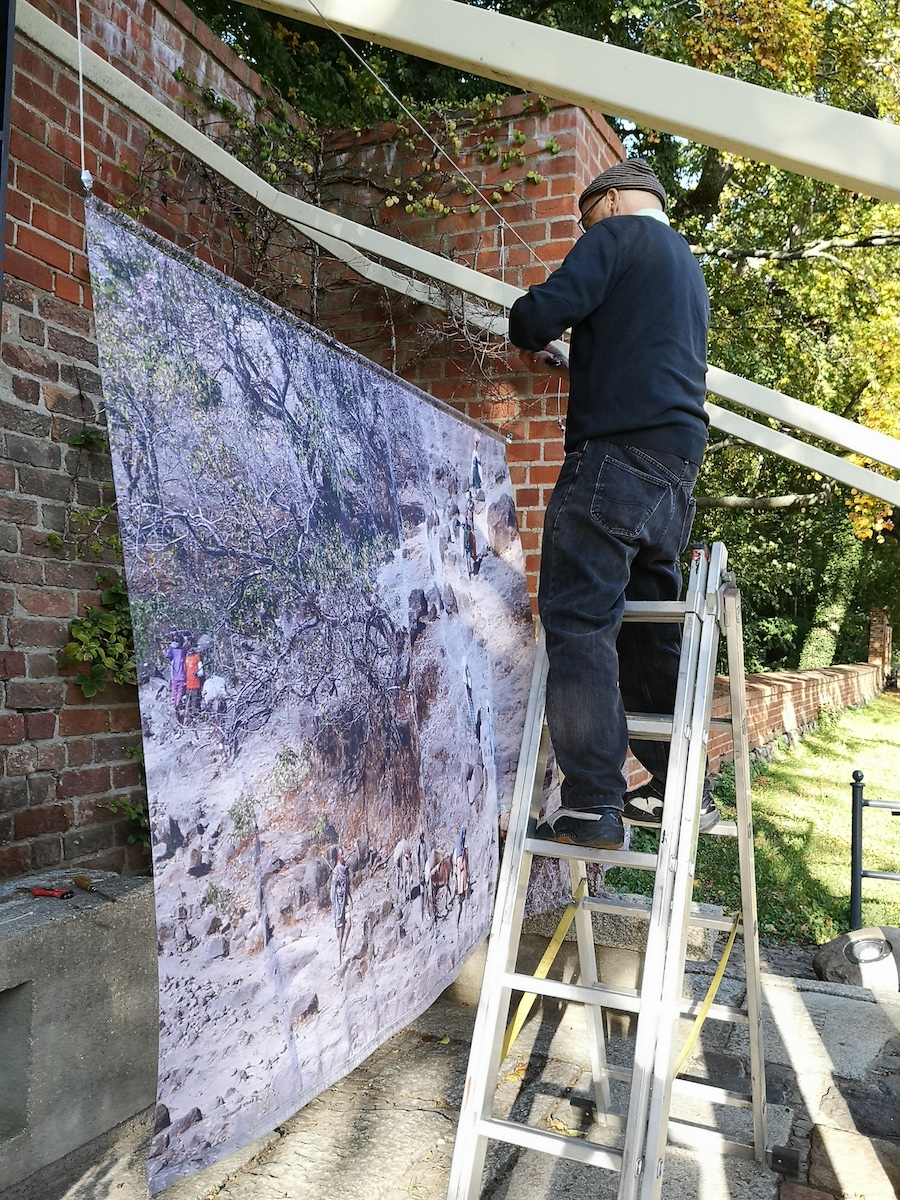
(58, 893)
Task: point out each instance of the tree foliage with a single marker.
(803, 275)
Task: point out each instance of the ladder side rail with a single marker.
(487, 1038)
(647, 1034)
(746, 857)
(682, 892)
(593, 1014)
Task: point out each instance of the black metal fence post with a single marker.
(856, 866)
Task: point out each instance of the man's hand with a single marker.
(545, 362)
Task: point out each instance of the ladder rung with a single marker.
(607, 996)
(652, 610)
(576, 1149)
(659, 728)
(641, 912)
(649, 725)
(685, 1087)
(715, 1095)
(723, 829)
(621, 999)
(682, 1134)
(613, 858)
(718, 1012)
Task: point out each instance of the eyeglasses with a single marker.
(584, 216)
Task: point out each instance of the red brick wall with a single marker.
(64, 756)
(786, 703)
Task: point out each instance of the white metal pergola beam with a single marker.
(800, 135)
(347, 239)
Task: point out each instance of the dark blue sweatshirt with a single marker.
(635, 299)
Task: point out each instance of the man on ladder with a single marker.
(621, 512)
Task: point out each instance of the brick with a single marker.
(12, 663)
(21, 570)
(53, 818)
(73, 345)
(34, 540)
(9, 543)
(18, 295)
(79, 752)
(21, 759)
(42, 664)
(19, 510)
(47, 602)
(12, 730)
(88, 839)
(82, 576)
(49, 485)
(57, 226)
(20, 266)
(39, 98)
(126, 775)
(31, 361)
(24, 694)
(40, 725)
(41, 788)
(13, 794)
(125, 719)
(51, 756)
(26, 390)
(14, 861)
(31, 330)
(94, 811)
(28, 631)
(18, 207)
(83, 781)
(44, 249)
(36, 452)
(545, 474)
(46, 852)
(67, 315)
(68, 289)
(27, 122)
(49, 193)
(83, 720)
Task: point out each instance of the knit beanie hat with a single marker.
(632, 174)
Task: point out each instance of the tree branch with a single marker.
(765, 503)
(820, 249)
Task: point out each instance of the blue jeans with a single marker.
(615, 525)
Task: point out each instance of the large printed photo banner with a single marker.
(334, 644)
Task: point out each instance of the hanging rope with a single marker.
(86, 177)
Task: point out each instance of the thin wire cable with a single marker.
(440, 149)
(503, 263)
(86, 177)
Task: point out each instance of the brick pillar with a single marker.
(880, 639)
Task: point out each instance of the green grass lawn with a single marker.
(801, 819)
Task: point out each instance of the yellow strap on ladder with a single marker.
(708, 998)
(543, 968)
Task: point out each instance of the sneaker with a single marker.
(601, 829)
(644, 806)
(709, 814)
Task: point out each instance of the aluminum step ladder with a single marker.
(711, 607)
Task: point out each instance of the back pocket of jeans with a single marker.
(625, 499)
